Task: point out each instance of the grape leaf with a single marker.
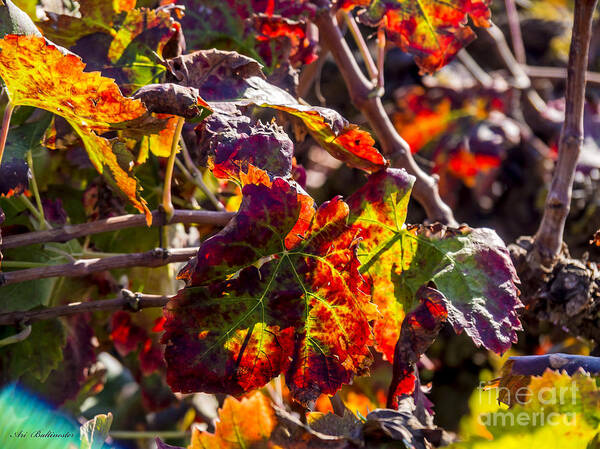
(230, 77)
(471, 268)
(37, 355)
(129, 337)
(432, 30)
(243, 424)
(420, 328)
(94, 431)
(255, 423)
(14, 171)
(157, 23)
(464, 132)
(94, 16)
(517, 372)
(271, 32)
(259, 304)
(65, 381)
(229, 141)
(89, 102)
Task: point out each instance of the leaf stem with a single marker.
(33, 209)
(36, 192)
(166, 198)
(5, 125)
(549, 237)
(197, 178)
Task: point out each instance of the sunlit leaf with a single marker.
(158, 23)
(242, 424)
(229, 141)
(95, 431)
(89, 102)
(230, 77)
(553, 410)
(471, 268)
(463, 132)
(258, 304)
(432, 30)
(94, 16)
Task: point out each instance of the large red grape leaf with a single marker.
(37, 74)
(471, 268)
(230, 77)
(258, 304)
(432, 30)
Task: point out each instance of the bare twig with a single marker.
(153, 258)
(70, 232)
(380, 56)
(548, 239)
(364, 98)
(474, 69)
(361, 44)
(520, 78)
(127, 301)
(514, 26)
(559, 73)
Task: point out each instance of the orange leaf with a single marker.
(243, 424)
(38, 74)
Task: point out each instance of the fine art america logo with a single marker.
(548, 406)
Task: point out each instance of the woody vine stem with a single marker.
(365, 97)
(549, 237)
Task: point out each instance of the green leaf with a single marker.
(471, 268)
(37, 355)
(95, 431)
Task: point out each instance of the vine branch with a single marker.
(82, 267)
(70, 232)
(363, 95)
(549, 237)
(126, 301)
